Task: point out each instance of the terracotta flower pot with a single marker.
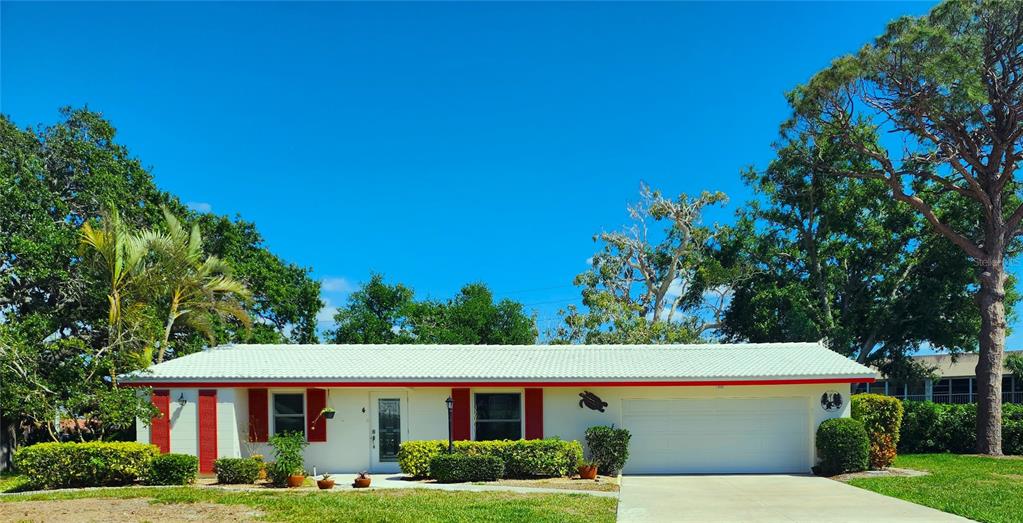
(588, 472)
(361, 482)
(325, 484)
(296, 480)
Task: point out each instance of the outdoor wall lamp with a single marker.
(450, 403)
(182, 400)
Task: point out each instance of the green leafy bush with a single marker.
(1012, 429)
(842, 446)
(93, 464)
(920, 428)
(941, 427)
(609, 448)
(237, 470)
(882, 418)
(287, 450)
(172, 469)
(458, 467)
(521, 458)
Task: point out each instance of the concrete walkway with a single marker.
(762, 498)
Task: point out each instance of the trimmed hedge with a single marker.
(172, 469)
(609, 448)
(944, 427)
(458, 467)
(882, 418)
(232, 471)
(520, 458)
(842, 445)
(92, 464)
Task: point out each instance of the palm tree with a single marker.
(198, 287)
(123, 255)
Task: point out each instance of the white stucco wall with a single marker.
(347, 448)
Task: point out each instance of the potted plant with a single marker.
(327, 413)
(587, 469)
(361, 480)
(325, 482)
(296, 479)
(289, 469)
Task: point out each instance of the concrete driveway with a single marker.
(761, 498)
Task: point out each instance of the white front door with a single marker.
(708, 436)
(388, 428)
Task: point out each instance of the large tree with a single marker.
(948, 87)
(656, 280)
(836, 258)
(382, 313)
(55, 303)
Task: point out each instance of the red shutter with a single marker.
(159, 427)
(259, 411)
(460, 429)
(534, 413)
(207, 429)
(315, 424)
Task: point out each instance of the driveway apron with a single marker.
(762, 498)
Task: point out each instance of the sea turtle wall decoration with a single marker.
(591, 401)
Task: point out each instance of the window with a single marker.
(498, 416)
(289, 413)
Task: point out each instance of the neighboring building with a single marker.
(956, 382)
(690, 408)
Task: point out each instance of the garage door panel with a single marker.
(717, 435)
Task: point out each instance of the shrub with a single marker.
(957, 428)
(941, 427)
(521, 458)
(93, 464)
(609, 448)
(1012, 428)
(920, 428)
(237, 470)
(414, 456)
(842, 445)
(882, 419)
(288, 453)
(458, 467)
(172, 469)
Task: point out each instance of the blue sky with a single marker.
(436, 143)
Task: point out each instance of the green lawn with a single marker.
(10, 482)
(411, 505)
(984, 489)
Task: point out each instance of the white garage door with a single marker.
(708, 436)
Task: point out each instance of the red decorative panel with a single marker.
(159, 427)
(207, 429)
(534, 413)
(460, 419)
(259, 412)
(315, 424)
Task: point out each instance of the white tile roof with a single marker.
(556, 363)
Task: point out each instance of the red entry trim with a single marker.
(315, 424)
(460, 420)
(519, 384)
(207, 429)
(159, 427)
(259, 412)
(534, 413)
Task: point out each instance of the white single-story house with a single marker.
(709, 408)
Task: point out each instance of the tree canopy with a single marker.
(382, 313)
(948, 88)
(78, 301)
(835, 258)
